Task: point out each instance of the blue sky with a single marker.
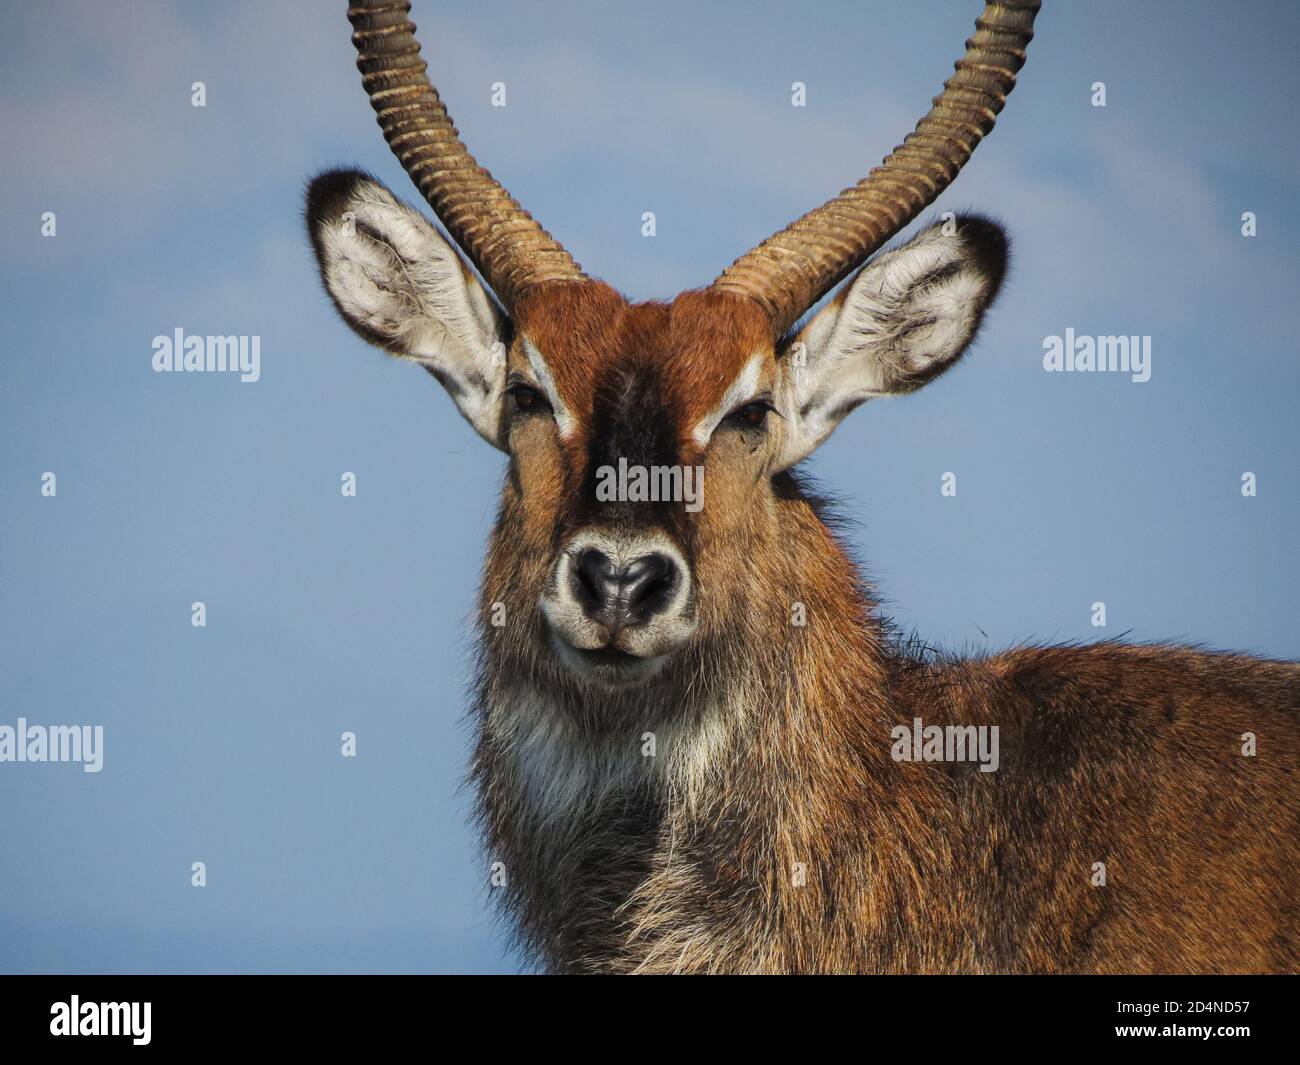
(326, 614)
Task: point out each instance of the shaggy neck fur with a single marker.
(770, 739)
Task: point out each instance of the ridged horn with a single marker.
(508, 247)
(793, 269)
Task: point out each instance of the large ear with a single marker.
(402, 286)
(905, 318)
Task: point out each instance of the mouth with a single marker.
(608, 665)
(608, 656)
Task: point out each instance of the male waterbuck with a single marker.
(695, 735)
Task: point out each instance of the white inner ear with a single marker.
(397, 280)
(906, 316)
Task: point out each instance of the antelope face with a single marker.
(646, 442)
(639, 439)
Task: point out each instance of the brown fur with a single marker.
(740, 809)
(773, 740)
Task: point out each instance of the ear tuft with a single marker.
(990, 251)
(328, 194)
(329, 191)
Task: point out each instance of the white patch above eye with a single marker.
(542, 374)
(741, 389)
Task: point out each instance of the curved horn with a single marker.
(793, 269)
(510, 250)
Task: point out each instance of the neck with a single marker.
(639, 801)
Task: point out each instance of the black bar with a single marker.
(335, 1013)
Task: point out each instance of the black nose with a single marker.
(621, 597)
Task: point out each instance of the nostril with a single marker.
(592, 578)
(646, 585)
(619, 597)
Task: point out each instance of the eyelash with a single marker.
(751, 415)
(527, 399)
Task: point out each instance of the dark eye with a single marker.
(752, 415)
(526, 399)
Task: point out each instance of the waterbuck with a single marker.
(689, 755)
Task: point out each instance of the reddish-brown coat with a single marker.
(774, 750)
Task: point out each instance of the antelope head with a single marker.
(572, 382)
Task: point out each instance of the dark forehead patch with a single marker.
(631, 418)
(631, 424)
